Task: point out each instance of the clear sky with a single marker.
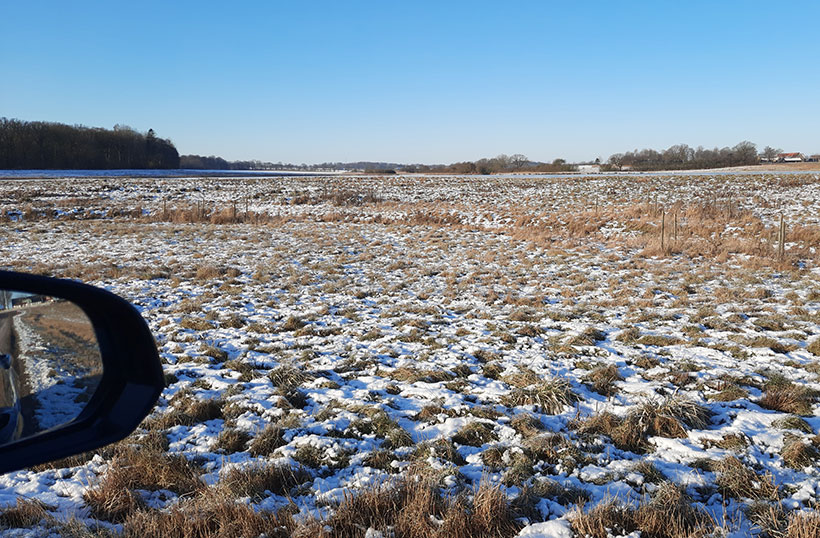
(432, 82)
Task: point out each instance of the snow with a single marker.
(380, 287)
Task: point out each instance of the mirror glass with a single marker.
(50, 363)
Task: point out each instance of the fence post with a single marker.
(663, 231)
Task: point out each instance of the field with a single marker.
(445, 356)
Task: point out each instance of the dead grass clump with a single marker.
(646, 362)
(411, 507)
(670, 514)
(665, 418)
(231, 440)
(737, 480)
(649, 471)
(629, 336)
(814, 347)
(209, 272)
(526, 424)
(410, 374)
(112, 501)
(793, 422)
(603, 422)
(214, 352)
(550, 396)
(293, 323)
(256, 479)
(196, 324)
(288, 377)
(803, 524)
(440, 448)
(603, 379)
(588, 337)
(796, 454)
(660, 340)
(191, 412)
(729, 393)
(429, 413)
(608, 518)
(113, 498)
(787, 398)
(475, 434)
(24, 513)
(266, 441)
(215, 514)
(381, 459)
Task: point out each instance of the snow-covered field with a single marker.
(327, 341)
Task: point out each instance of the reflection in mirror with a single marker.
(50, 364)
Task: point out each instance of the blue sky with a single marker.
(419, 81)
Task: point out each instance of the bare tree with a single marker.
(769, 153)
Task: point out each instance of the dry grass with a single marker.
(215, 514)
(266, 441)
(24, 513)
(669, 513)
(603, 378)
(256, 479)
(475, 434)
(788, 398)
(797, 454)
(737, 480)
(113, 497)
(551, 396)
(669, 417)
(414, 508)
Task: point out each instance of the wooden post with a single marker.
(676, 227)
(663, 231)
(781, 248)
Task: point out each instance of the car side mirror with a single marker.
(79, 369)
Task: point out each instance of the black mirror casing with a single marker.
(131, 383)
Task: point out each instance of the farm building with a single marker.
(790, 158)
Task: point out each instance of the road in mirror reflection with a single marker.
(50, 363)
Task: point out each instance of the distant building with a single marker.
(589, 168)
(790, 158)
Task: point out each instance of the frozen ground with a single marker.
(533, 335)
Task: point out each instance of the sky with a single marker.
(419, 82)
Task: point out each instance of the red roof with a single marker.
(789, 155)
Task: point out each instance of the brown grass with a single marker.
(211, 515)
(737, 480)
(405, 507)
(256, 479)
(266, 441)
(788, 398)
(24, 513)
(113, 498)
(551, 396)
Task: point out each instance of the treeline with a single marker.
(683, 157)
(501, 164)
(46, 145)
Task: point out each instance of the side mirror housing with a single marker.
(127, 390)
